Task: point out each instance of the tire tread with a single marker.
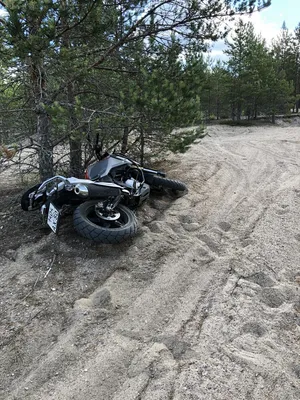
(102, 234)
(169, 183)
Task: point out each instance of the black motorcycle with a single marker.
(104, 201)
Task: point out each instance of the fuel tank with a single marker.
(102, 168)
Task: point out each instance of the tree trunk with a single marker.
(142, 152)
(125, 140)
(233, 112)
(218, 109)
(239, 111)
(43, 126)
(38, 87)
(74, 141)
(273, 118)
(46, 150)
(75, 158)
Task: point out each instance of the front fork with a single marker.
(108, 206)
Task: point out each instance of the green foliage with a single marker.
(286, 52)
(78, 68)
(164, 93)
(215, 92)
(251, 83)
(181, 140)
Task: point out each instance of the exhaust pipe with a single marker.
(81, 190)
(96, 191)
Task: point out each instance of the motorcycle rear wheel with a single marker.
(89, 225)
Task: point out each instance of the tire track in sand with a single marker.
(195, 314)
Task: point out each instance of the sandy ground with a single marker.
(202, 304)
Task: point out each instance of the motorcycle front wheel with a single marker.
(89, 224)
(166, 183)
(25, 198)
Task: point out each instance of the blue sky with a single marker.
(268, 22)
(282, 10)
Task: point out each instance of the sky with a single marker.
(268, 22)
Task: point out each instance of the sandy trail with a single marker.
(203, 304)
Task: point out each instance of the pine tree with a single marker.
(257, 84)
(215, 92)
(59, 49)
(238, 51)
(286, 52)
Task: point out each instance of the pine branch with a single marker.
(69, 28)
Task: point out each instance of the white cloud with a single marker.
(268, 30)
(217, 51)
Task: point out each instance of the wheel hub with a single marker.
(107, 216)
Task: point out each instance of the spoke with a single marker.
(102, 222)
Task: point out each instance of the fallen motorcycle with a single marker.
(104, 201)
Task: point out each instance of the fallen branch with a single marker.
(37, 279)
(51, 265)
(33, 287)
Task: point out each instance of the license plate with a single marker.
(53, 218)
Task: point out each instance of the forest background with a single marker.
(127, 73)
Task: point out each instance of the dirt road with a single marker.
(203, 304)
